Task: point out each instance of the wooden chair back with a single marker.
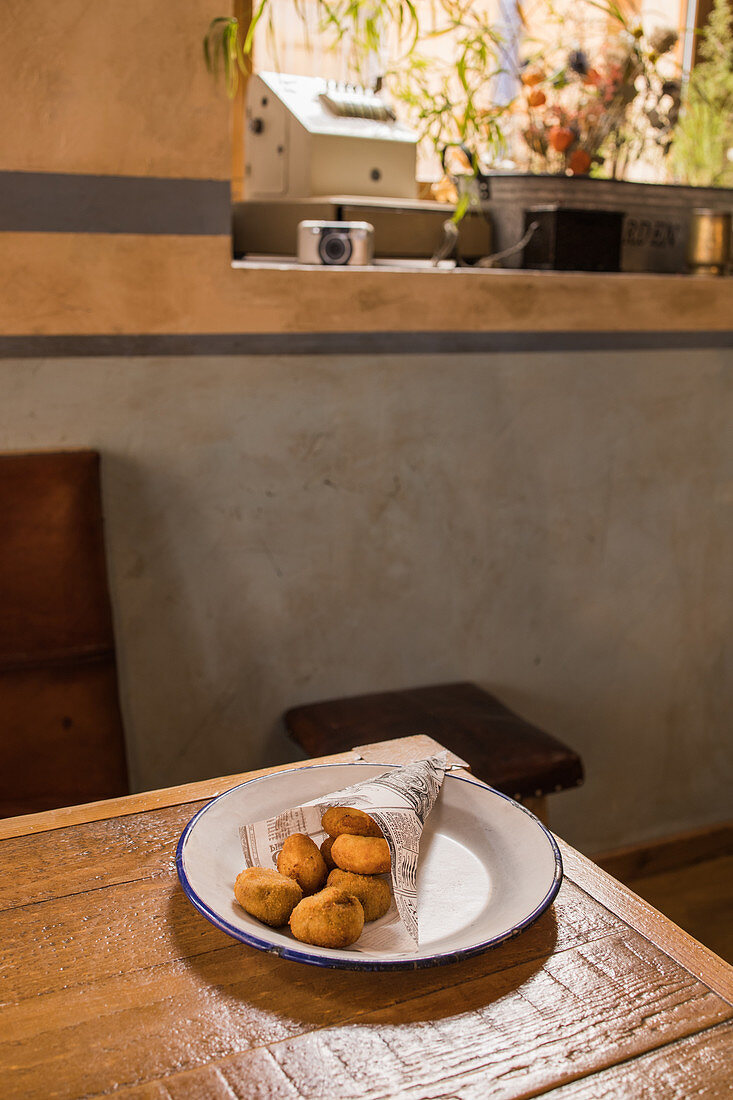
(61, 735)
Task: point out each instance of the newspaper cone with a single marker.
(399, 800)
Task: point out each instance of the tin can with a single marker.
(708, 245)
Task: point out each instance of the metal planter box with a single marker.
(656, 216)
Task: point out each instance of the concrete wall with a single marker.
(554, 526)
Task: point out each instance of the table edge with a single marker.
(654, 926)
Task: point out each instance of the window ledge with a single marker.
(409, 296)
(171, 286)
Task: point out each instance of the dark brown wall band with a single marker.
(352, 343)
(52, 202)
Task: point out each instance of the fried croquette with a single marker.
(267, 895)
(331, 918)
(300, 859)
(364, 855)
(373, 892)
(346, 819)
(326, 847)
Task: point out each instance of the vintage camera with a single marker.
(335, 243)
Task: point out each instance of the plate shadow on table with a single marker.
(314, 995)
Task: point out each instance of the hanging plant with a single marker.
(225, 53)
(228, 47)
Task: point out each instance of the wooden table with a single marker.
(113, 983)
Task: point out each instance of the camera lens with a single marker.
(334, 247)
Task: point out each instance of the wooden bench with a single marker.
(502, 749)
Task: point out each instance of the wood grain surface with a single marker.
(699, 898)
(619, 899)
(111, 982)
(697, 1066)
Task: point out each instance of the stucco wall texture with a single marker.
(111, 88)
(555, 527)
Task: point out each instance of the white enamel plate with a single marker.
(488, 868)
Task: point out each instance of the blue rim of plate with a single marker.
(362, 962)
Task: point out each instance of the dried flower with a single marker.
(579, 162)
(532, 76)
(600, 108)
(578, 62)
(662, 40)
(561, 138)
(536, 140)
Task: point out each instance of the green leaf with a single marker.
(461, 207)
(250, 36)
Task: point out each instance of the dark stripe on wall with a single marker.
(353, 343)
(50, 202)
